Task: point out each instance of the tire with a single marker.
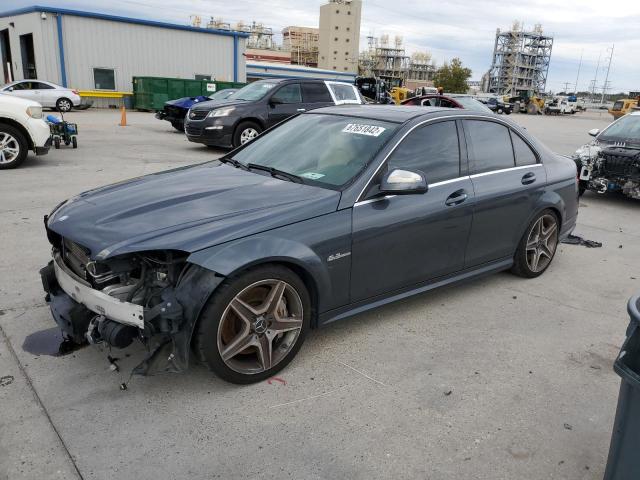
(74, 142)
(56, 142)
(220, 326)
(245, 132)
(178, 125)
(500, 111)
(508, 112)
(64, 105)
(533, 244)
(13, 147)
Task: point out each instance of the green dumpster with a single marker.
(151, 93)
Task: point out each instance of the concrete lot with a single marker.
(500, 378)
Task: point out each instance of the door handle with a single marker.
(456, 198)
(528, 178)
(301, 110)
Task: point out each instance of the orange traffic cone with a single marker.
(123, 117)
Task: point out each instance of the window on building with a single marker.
(335, 39)
(335, 52)
(336, 27)
(104, 78)
(348, 12)
(337, 11)
(202, 77)
(348, 29)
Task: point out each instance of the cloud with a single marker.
(456, 28)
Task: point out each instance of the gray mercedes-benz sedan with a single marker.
(326, 215)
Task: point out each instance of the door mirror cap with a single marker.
(403, 182)
(275, 101)
(10, 89)
(594, 132)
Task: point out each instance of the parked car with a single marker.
(259, 106)
(47, 94)
(330, 213)
(21, 129)
(175, 111)
(611, 162)
(560, 106)
(496, 105)
(448, 101)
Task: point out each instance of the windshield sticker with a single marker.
(360, 129)
(312, 175)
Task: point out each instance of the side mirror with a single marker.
(10, 89)
(594, 132)
(403, 182)
(275, 101)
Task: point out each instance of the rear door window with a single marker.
(343, 93)
(316, 93)
(489, 144)
(432, 149)
(524, 154)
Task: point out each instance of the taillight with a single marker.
(75, 92)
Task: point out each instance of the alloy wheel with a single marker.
(248, 134)
(260, 326)
(542, 243)
(9, 148)
(64, 105)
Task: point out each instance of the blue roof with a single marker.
(116, 18)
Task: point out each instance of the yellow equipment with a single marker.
(529, 103)
(623, 106)
(399, 94)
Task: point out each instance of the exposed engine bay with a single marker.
(606, 168)
(138, 296)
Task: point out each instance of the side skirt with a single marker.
(375, 302)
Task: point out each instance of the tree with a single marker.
(452, 77)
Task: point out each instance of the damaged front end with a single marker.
(152, 296)
(606, 168)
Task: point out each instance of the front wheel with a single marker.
(254, 324)
(13, 147)
(245, 132)
(537, 247)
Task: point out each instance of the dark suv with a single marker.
(261, 105)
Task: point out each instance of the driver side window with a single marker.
(433, 149)
(288, 94)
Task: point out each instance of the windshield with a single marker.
(471, 104)
(253, 91)
(627, 129)
(328, 150)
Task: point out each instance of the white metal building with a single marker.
(93, 51)
(266, 70)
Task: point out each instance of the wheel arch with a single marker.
(18, 126)
(249, 119)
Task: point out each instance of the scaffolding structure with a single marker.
(520, 61)
(303, 44)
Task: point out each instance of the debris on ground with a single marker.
(568, 427)
(448, 392)
(6, 380)
(577, 240)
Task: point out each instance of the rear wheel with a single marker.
(74, 142)
(13, 147)
(64, 105)
(254, 324)
(178, 125)
(538, 246)
(245, 132)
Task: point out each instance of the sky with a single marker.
(448, 29)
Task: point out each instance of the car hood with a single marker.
(211, 104)
(8, 99)
(186, 102)
(187, 209)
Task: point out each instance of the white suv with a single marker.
(21, 129)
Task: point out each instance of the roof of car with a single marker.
(388, 113)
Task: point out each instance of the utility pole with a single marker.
(566, 87)
(606, 80)
(595, 79)
(575, 89)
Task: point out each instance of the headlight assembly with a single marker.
(221, 112)
(34, 112)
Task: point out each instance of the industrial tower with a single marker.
(520, 61)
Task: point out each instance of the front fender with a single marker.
(241, 254)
